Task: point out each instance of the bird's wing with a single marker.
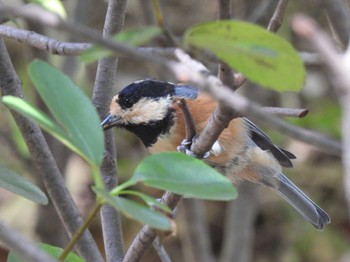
(186, 91)
(265, 143)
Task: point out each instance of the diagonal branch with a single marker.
(43, 42)
(277, 18)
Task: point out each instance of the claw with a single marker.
(185, 148)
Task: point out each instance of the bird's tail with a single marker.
(304, 205)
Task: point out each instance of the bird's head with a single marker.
(146, 108)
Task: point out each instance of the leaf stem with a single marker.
(75, 238)
(96, 175)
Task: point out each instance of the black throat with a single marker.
(149, 133)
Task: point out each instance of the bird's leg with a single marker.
(185, 146)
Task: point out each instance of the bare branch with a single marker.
(102, 93)
(26, 249)
(147, 234)
(39, 15)
(160, 19)
(240, 220)
(196, 240)
(159, 247)
(42, 42)
(277, 18)
(45, 163)
(290, 112)
(339, 14)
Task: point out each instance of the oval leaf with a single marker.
(14, 183)
(44, 121)
(135, 210)
(71, 108)
(184, 175)
(263, 57)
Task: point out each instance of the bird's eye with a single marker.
(126, 102)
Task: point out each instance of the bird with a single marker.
(148, 108)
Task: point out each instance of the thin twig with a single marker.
(75, 238)
(290, 112)
(42, 42)
(159, 247)
(157, 10)
(339, 14)
(104, 89)
(26, 249)
(239, 225)
(277, 18)
(196, 240)
(39, 15)
(147, 235)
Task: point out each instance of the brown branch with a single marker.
(41, 16)
(147, 235)
(42, 42)
(104, 89)
(277, 18)
(160, 19)
(159, 247)
(290, 112)
(45, 163)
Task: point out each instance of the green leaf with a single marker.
(134, 37)
(30, 111)
(135, 210)
(14, 183)
(71, 108)
(57, 251)
(184, 175)
(54, 6)
(263, 57)
(150, 201)
(51, 250)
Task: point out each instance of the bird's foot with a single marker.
(185, 147)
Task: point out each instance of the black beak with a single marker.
(110, 121)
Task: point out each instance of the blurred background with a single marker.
(259, 225)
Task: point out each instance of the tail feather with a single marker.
(304, 205)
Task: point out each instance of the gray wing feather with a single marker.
(265, 143)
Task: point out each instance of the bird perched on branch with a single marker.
(148, 108)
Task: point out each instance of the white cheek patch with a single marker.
(146, 110)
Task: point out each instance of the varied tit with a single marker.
(243, 151)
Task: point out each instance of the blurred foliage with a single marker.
(324, 116)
